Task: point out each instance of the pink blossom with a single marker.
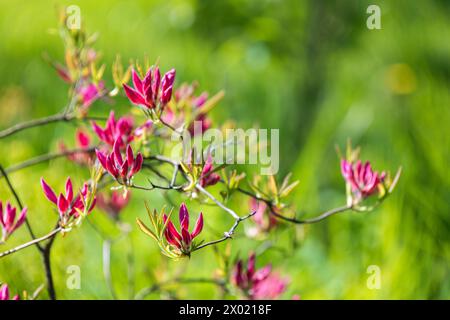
(208, 177)
(113, 203)
(201, 122)
(262, 217)
(185, 96)
(120, 130)
(121, 168)
(82, 141)
(362, 179)
(67, 204)
(183, 240)
(151, 90)
(258, 284)
(90, 92)
(8, 220)
(270, 287)
(143, 129)
(4, 293)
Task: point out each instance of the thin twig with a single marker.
(271, 206)
(30, 243)
(209, 195)
(227, 235)
(46, 157)
(43, 121)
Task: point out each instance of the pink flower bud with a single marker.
(183, 240)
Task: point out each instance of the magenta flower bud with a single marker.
(362, 179)
(258, 284)
(48, 191)
(263, 219)
(114, 130)
(66, 204)
(8, 220)
(90, 92)
(121, 168)
(183, 240)
(114, 203)
(145, 92)
(208, 177)
(4, 293)
(82, 141)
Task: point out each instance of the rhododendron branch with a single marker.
(30, 243)
(46, 157)
(44, 121)
(44, 251)
(209, 195)
(319, 218)
(228, 234)
(171, 128)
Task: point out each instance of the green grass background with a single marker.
(310, 68)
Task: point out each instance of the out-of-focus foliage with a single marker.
(312, 69)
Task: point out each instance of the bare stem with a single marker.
(209, 195)
(319, 218)
(30, 243)
(46, 157)
(43, 121)
(227, 235)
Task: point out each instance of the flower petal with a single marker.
(101, 158)
(21, 218)
(134, 96)
(63, 205)
(69, 190)
(48, 191)
(137, 81)
(184, 216)
(187, 239)
(198, 226)
(130, 156)
(137, 164)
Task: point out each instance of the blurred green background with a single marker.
(310, 68)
